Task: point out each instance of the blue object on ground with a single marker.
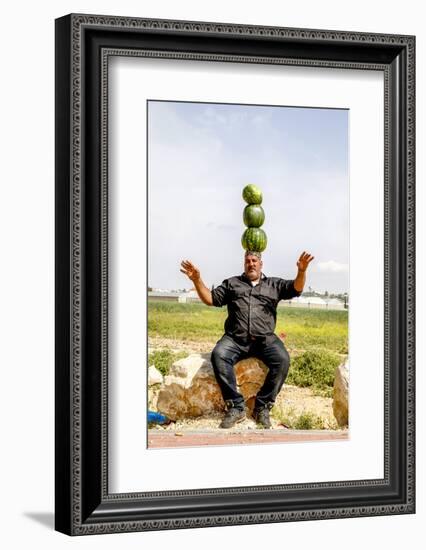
(157, 418)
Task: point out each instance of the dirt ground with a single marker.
(155, 343)
(290, 404)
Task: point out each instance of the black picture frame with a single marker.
(83, 45)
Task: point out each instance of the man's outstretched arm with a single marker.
(302, 265)
(193, 273)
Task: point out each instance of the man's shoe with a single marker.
(232, 417)
(262, 418)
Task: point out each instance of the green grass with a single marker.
(195, 322)
(306, 329)
(309, 329)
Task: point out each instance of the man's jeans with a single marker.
(227, 353)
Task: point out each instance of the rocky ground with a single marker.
(296, 408)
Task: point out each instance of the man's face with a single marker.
(252, 267)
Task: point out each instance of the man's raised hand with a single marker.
(193, 273)
(304, 261)
(189, 269)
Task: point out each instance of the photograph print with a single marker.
(248, 274)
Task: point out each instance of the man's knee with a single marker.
(218, 353)
(225, 347)
(222, 355)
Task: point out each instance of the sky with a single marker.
(202, 155)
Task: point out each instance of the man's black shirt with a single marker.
(252, 310)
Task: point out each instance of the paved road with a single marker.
(167, 438)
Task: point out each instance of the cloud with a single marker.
(333, 267)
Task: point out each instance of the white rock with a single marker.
(154, 376)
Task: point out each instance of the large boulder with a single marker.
(191, 390)
(341, 394)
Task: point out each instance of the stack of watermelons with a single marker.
(253, 238)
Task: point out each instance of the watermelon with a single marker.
(253, 215)
(252, 194)
(254, 239)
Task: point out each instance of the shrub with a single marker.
(163, 359)
(309, 421)
(314, 369)
(305, 420)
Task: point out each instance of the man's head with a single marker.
(253, 265)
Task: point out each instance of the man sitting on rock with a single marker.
(252, 300)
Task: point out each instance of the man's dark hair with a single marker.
(253, 253)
